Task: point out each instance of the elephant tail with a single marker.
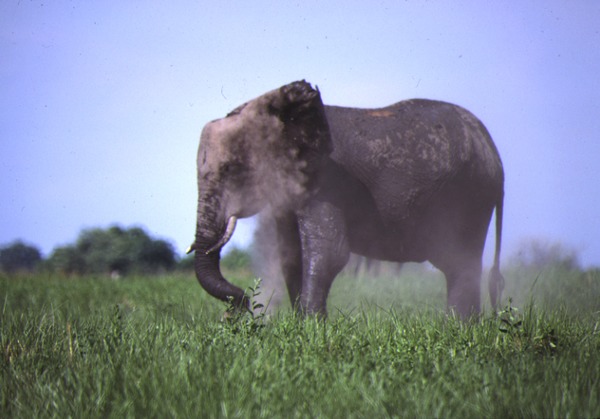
(496, 280)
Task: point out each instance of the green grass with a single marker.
(156, 347)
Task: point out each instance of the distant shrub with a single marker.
(186, 263)
(234, 259)
(18, 257)
(237, 258)
(114, 251)
(66, 260)
(538, 254)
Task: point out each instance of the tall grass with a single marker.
(157, 347)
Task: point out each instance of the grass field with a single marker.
(156, 347)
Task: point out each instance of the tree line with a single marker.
(113, 251)
(119, 251)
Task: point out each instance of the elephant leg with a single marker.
(290, 255)
(464, 288)
(459, 258)
(325, 252)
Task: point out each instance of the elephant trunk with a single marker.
(209, 241)
(209, 276)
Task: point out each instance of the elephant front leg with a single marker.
(325, 251)
(290, 255)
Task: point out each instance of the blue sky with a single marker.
(102, 103)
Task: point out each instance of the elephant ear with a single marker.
(302, 112)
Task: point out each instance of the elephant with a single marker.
(415, 181)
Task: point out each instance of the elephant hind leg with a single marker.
(460, 261)
(463, 284)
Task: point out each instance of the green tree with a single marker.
(237, 258)
(234, 259)
(156, 256)
(114, 250)
(186, 263)
(66, 260)
(538, 254)
(19, 256)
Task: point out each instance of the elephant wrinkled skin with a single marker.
(414, 181)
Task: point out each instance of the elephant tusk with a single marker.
(191, 249)
(228, 233)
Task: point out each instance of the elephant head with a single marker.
(266, 152)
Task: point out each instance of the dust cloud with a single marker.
(539, 272)
(267, 264)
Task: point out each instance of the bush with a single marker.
(18, 257)
(66, 260)
(186, 263)
(113, 251)
(538, 254)
(237, 258)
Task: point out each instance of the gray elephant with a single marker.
(414, 181)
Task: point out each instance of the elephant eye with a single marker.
(231, 169)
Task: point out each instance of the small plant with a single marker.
(252, 317)
(525, 335)
(511, 319)
(511, 324)
(546, 342)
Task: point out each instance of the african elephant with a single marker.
(414, 181)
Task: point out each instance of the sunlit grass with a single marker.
(157, 347)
